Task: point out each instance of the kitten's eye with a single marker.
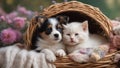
(76, 34)
(68, 34)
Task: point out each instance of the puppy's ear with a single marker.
(39, 19)
(63, 19)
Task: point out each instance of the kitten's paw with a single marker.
(50, 56)
(80, 58)
(94, 57)
(116, 58)
(60, 53)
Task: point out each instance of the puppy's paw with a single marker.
(80, 58)
(50, 56)
(60, 53)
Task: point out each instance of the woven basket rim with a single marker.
(73, 5)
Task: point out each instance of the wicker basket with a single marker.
(77, 11)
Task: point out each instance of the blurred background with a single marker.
(110, 8)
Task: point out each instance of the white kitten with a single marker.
(77, 39)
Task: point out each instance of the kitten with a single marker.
(77, 39)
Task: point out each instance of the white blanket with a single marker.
(14, 57)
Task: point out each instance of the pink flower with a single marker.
(2, 18)
(18, 35)
(29, 13)
(22, 10)
(19, 22)
(8, 36)
(8, 20)
(10, 17)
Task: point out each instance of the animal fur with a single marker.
(47, 37)
(79, 41)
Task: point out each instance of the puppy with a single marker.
(47, 37)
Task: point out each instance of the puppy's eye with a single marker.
(68, 34)
(76, 34)
(48, 30)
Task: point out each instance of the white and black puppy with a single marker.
(48, 36)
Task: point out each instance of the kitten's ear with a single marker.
(64, 26)
(85, 25)
(63, 19)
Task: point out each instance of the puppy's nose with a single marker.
(56, 35)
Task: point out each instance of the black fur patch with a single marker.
(43, 28)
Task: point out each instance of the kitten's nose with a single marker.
(56, 35)
(72, 40)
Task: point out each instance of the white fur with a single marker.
(54, 30)
(51, 49)
(51, 38)
(60, 52)
(50, 57)
(71, 29)
(50, 45)
(83, 40)
(80, 41)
